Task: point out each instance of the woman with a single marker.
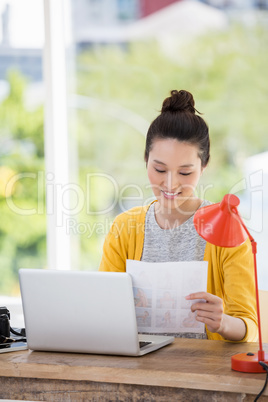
(176, 154)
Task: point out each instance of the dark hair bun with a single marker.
(179, 101)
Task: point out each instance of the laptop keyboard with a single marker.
(142, 344)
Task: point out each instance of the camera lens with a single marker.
(4, 325)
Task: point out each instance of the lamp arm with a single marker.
(261, 353)
(243, 225)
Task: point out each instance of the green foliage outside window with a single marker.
(22, 236)
(120, 90)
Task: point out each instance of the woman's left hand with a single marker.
(209, 311)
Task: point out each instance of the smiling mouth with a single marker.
(170, 195)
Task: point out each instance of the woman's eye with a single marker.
(160, 171)
(185, 174)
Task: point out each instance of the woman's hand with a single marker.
(210, 312)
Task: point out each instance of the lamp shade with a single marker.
(219, 223)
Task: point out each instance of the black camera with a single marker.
(4, 322)
(6, 329)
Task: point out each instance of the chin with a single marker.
(171, 204)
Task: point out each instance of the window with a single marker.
(119, 71)
(22, 168)
(107, 73)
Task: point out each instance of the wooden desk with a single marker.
(187, 370)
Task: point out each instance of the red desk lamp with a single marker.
(220, 224)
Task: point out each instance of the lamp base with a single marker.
(248, 362)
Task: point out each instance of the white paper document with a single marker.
(159, 294)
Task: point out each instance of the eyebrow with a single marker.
(181, 166)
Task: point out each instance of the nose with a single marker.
(171, 181)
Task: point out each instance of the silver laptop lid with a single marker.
(79, 311)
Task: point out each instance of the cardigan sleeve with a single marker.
(231, 277)
(115, 248)
(124, 240)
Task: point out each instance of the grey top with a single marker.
(181, 243)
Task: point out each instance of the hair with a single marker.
(178, 120)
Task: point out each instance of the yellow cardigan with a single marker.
(230, 270)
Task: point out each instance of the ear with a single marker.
(203, 169)
(146, 161)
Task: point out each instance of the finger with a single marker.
(203, 306)
(212, 325)
(215, 305)
(215, 316)
(207, 297)
(197, 295)
(209, 322)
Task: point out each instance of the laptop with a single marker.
(83, 312)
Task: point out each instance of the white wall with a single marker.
(254, 209)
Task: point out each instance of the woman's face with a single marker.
(174, 169)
